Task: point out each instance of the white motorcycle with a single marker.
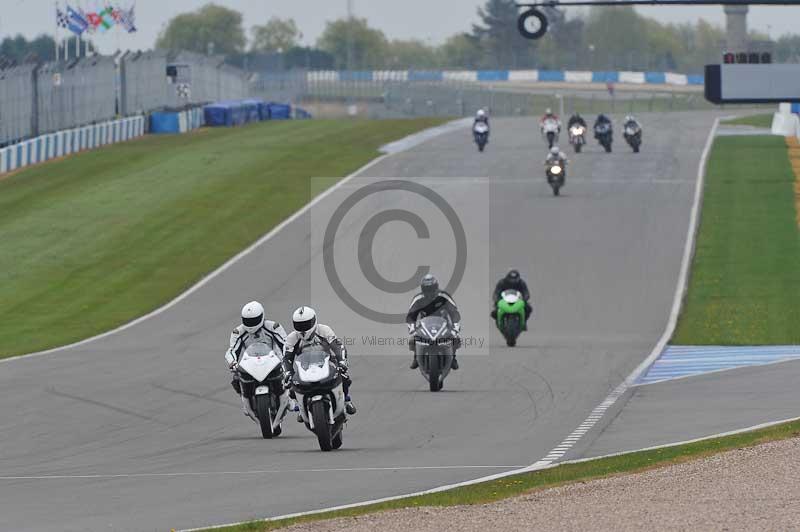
(481, 134)
(318, 388)
(550, 130)
(577, 137)
(264, 398)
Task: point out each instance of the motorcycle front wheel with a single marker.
(434, 376)
(265, 416)
(319, 413)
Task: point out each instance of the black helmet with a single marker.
(429, 286)
(512, 275)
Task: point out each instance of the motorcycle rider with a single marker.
(513, 281)
(431, 300)
(576, 119)
(601, 119)
(254, 328)
(308, 333)
(549, 115)
(630, 121)
(554, 156)
(481, 117)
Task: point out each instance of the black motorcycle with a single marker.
(434, 346)
(556, 176)
(633, 136)
(604, 135)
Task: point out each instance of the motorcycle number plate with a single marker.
(262, 390)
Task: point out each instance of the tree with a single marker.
(499, 38)
(369, 45)
(787, 49)
(19, 49)
(276, 35)
(461, 51)
(210, 26)
(411, 54)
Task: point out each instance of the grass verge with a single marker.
(745, 280)
(762, 120)
(547, 478)
(95, 240)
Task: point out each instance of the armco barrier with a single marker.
(60, 143)
(638, 78)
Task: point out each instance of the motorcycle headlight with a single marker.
(555, 170)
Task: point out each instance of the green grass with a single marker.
(745, 280)
(95, 240)
(764, 120)
(547, 478)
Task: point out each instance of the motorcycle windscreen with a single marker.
(312, 366)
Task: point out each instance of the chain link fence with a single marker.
(427, 99)
(36, 99)
(333, 96)
(17, 85)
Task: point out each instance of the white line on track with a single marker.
(688, 251)
(251, 472)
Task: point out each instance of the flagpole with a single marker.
(56, 35)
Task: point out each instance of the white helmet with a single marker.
(304, 320)
(554, 150)
(548, 111)
(629, 118)
(252, 316)
(481, 113)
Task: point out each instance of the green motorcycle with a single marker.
(511, 315)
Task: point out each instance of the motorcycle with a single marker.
(434, 345)
(633, 135)
(576, 137)
(604, 135)
(510, 315)
(481, 134)
(556, 175)
(550, 130)
(265, 401)
(318, 388)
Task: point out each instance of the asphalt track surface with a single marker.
(141, 430)
(700, 406)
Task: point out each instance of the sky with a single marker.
(429, 20)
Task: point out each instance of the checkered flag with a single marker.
(61, 19)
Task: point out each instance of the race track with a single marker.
(141, 430)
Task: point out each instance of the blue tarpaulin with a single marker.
(228, 113)
(279, 111)
(235, 112)
(263, 111)
(251, 110)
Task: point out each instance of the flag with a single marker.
(107, 20)
(77, 22)
(61, 19)
(127, 19)
(94, 19)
